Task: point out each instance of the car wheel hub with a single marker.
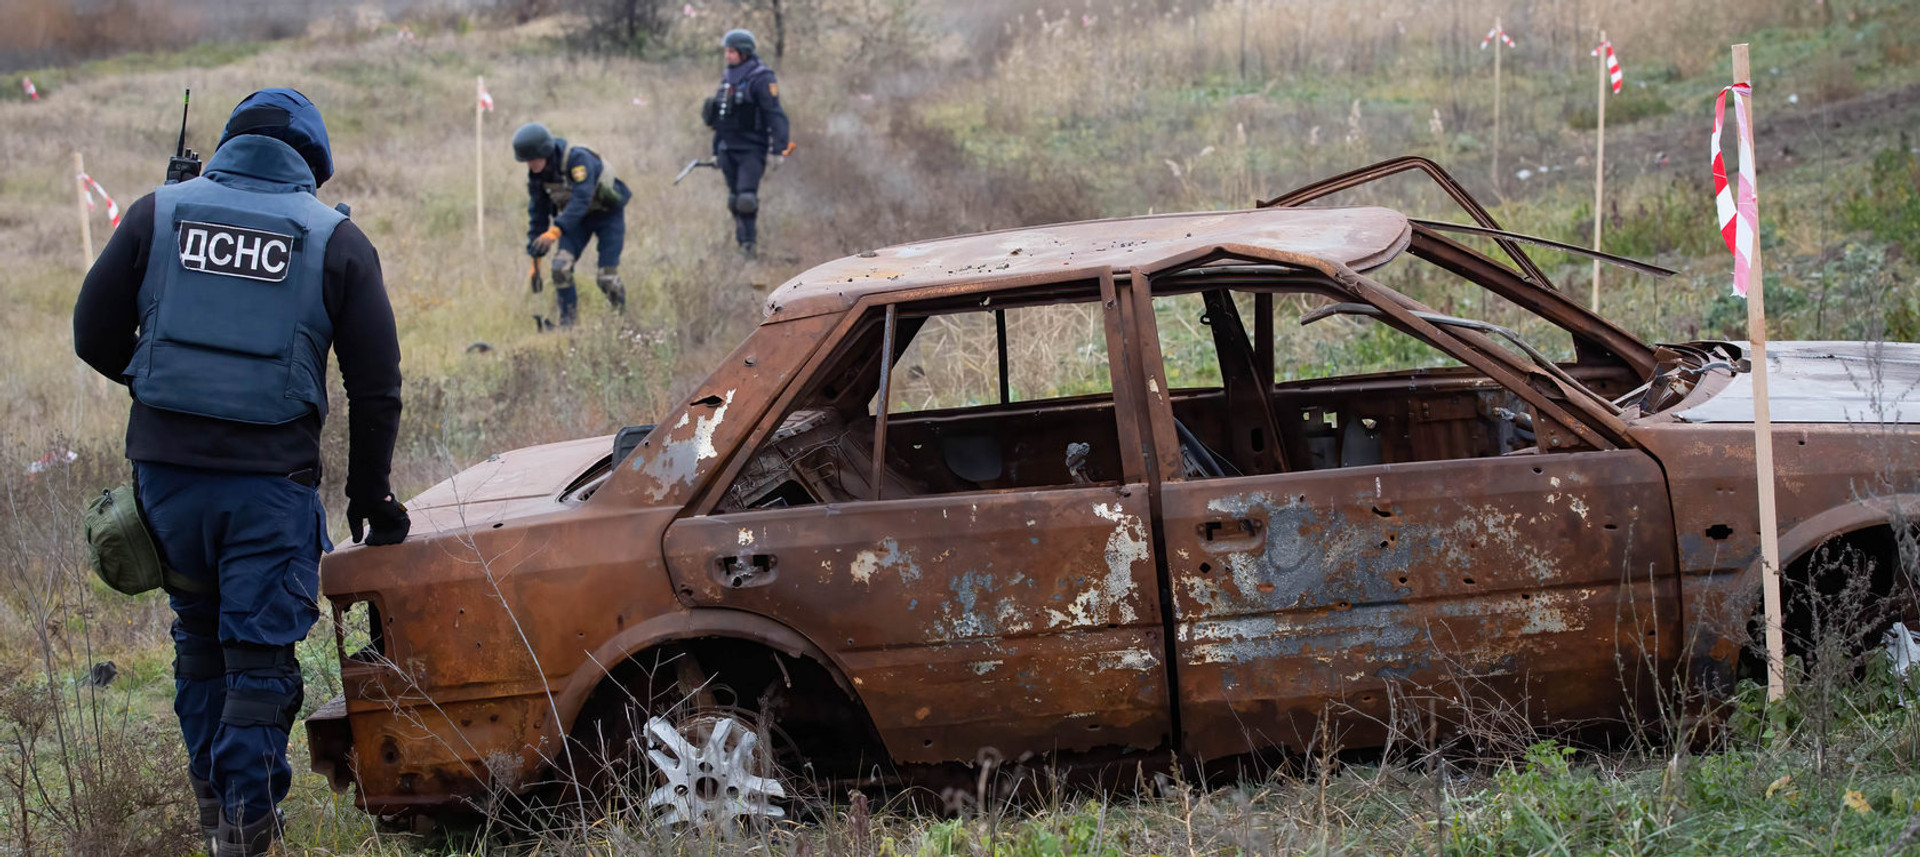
(712, 772)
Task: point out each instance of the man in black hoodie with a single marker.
(748, 125)
(216, 302)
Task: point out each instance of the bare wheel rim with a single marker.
(713, 772)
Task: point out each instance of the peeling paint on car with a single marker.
(678, 459)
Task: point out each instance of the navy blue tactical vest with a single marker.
(233, 320)
(736, 111)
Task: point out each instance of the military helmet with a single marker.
(739, 40)
(533, 140)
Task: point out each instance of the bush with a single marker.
(1888, 205)
(622, 26)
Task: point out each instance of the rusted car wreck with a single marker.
(1142, 568)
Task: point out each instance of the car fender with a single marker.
(1803, 538)
(1813, 532)
(1720, 606)
(689, 625)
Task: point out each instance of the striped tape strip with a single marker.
(1738, 203)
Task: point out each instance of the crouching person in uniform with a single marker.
(216, 302)
(573, 196)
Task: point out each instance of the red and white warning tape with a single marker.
(1738, 205)
(93, 187)
(26, 83)
(1497, 32)
(486, 98)
(1613, 65)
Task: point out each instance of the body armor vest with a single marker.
(605, 196)
(732, 108)
(233, 318)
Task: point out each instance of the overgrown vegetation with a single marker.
(1887, 206)
(916, 120)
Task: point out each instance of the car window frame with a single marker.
(1121, 355)
(1496, 364)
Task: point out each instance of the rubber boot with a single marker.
(248, 840)
(567, 300)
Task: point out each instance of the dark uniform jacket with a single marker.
(574, 185)
(106, 318)
(745, 113)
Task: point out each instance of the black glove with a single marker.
(379, 522)
(537, 248)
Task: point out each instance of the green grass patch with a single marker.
(1631, 105)
(1887, 204)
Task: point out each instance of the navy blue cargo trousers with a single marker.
(743, 169)
(257, 539)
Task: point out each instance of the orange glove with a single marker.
(544, 242)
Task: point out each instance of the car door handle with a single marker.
(1230, 528)
(744, 571)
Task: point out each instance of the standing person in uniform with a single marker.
(748, 126)
(215, 303)
(573, 195)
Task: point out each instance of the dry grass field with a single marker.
(915, 120)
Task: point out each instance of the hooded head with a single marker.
(289, 117)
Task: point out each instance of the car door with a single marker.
(1339, 604)
(1024, 619)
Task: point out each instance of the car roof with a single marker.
(1361, 238)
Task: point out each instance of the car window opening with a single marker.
(978, 398)
(1329, 384)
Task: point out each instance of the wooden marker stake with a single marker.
(1600, 169)
(479, 171)
(86, 226)
(1500, 30)
(1762, 423)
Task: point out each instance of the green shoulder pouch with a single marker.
(120, 547)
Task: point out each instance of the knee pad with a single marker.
(608, 279)
(746, 203)
(259, 707)
(562, 267)
(733, 203)
(198, 660)
(252, 707)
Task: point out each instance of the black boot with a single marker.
(208, 801)
(248, 840)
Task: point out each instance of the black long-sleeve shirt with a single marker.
(105, 328)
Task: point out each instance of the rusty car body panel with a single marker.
(1204, 570)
